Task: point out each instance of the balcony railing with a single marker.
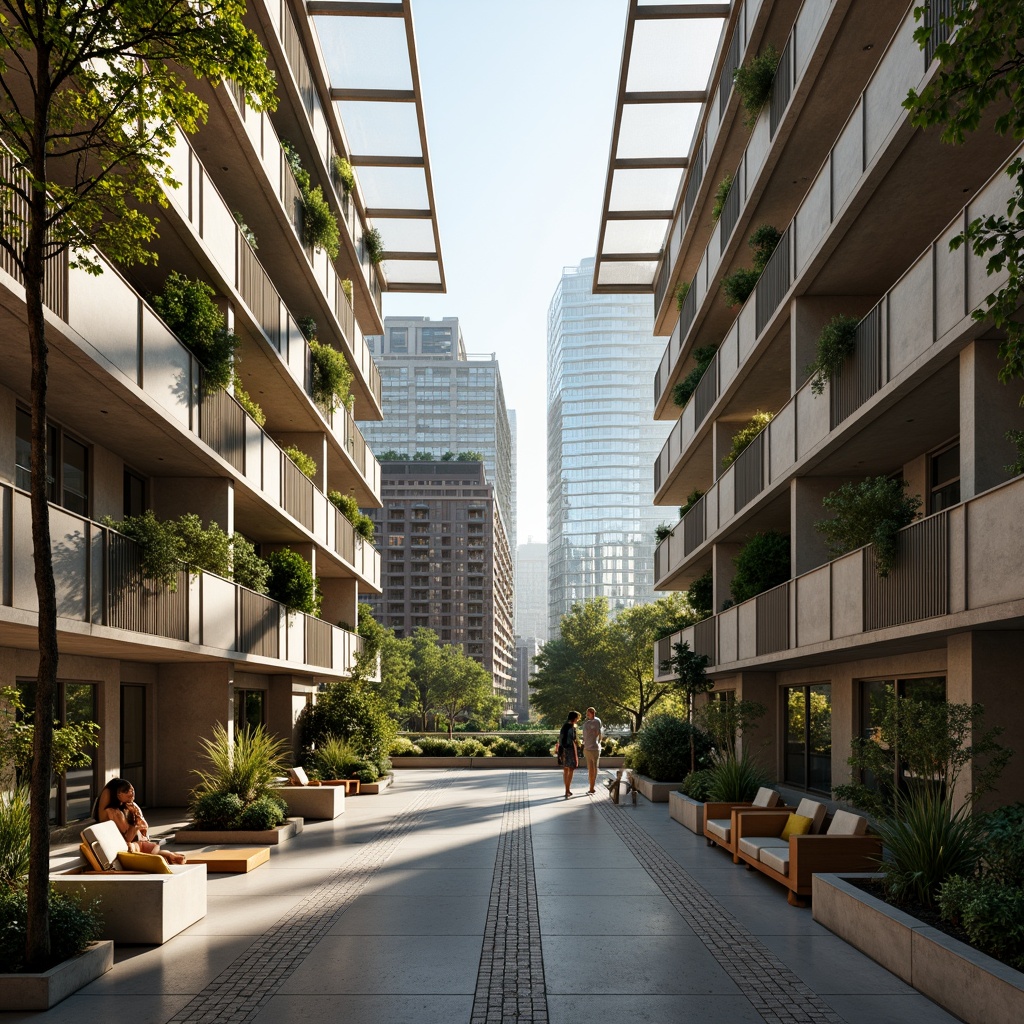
(782, 88)
(732, 62)
(693, 527)
(222, 426)
(773, 620)
(861, 375)
(748, 479)
(773, 284)
(935, 13)
(134, 604)
(731, 210)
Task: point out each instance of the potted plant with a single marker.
(753, 82)
(763, 563)
(836, 343)
(703, 357)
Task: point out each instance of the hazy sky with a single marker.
(519, 100)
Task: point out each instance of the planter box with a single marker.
(141, 909)
(379, 786)
(656, 792)
(492, 762)
(41, 991)
(316, 802)
(969, 984)
(687, 811)
(271, 837)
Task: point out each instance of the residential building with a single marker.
(532, 590)
(133, 428)
(527, 648)
(437, 398)
(601, 442)
(447, 564)
(865, 205)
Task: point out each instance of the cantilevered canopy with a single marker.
(370, 50)
(667, 57)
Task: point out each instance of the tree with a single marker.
(981, 65)
(425, 658)
(393, 654)
(691, 680)
(459, 686)
(91, 93)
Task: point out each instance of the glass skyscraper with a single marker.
(602, 442)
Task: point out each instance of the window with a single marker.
(250, 709)
(134, 494)
(808, 757)
(437, 340)
(67, 465)
(944, 478)
(399, 339)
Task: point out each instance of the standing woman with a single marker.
(567, 751)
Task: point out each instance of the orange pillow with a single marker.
(90, 858)
(797, 825)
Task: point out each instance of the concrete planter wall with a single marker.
(969, 984)
(41, 991)
(491, 762)
(379, 786)
(656, 792)
(271, 837)
(687, 811)
(313, 802)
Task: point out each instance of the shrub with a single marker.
(349, 508)
(203, 548)
(346, 287)
(333, 757)
(1016, 438)
(737, 286)
(990, 913)
(306, 463)
(1004, 845)
(73, 925)
(503, 747)
(344, 173)
(248, 569)
(537, 746)
(216, 810)
(470, 748)
(735, 779)
(685, 388)
(691, 499)
(364, 770)
(437, 746)
(247, 402)
(610, 745)
(247, 232)
(871, 512)
(726, 720)
(263, 813)
(681, 292)
(319, 225)
(373, 245)
(350, 712)
(188, 309)
(697, 785)
(764, 240)
(246, 767)
(307, 325)
(292, 582)
(745, 435)
(662, 532)
(14, 837)
(331, 377)
(836, 343)
(402, 746)
(762, 563)
(663, 746)
(753, 82)
(721, 194)
(701, 594)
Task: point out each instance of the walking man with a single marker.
(592, 745)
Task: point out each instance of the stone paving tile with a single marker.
(238, 993)
(510, 985)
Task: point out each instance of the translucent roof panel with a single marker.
(649, 189)
(380, 129)
(620, 275)
(394, 187)
(639, 236)
(412, 272)
(656, 129)
(407, 235)
(365, 53)
(672, 55)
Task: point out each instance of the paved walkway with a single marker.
(484, 897)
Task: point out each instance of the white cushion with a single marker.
(753, 845)
(721, 827)
(846, 824)
(813, 810)
(107, 842)
(766, 797)
(776, 858)
(298, 777)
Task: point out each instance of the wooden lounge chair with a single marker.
(719, 818)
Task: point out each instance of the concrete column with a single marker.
(762, 742)
(189, 700)
(314, 445)
(7, 434)
(988, 410)
(286, 697)
(807, 546)
(210, 498)
(724, 570)
(340, 601)
(984, 667)
(808, 315)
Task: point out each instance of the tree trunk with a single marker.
(37, 950)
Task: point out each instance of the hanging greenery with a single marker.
(344, 173)
(691, 499)
(685, 388)
(243, 398)
(753, 82)
(331, 377)
(306, 463)
(721, 194)
(743, 437)
(374, 245)
(247, 232)
(764, 240)
(738, 286)
(248, 569)
(662, 532)
(681, 292)
(762, 563)
(292, 582)
(349, 508)
(836, 343)
(319, 225)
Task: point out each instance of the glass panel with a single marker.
(76, 477)
(381, 129)
(820, 737)
(365, 53)
(133, 738)
(672, 54)
(796, 727)
(634, 236)
(23, 450)
(134, 497)
(249, 709)
(656, 129)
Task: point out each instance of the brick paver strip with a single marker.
(774, 991)
(241, 990)
(510, 986)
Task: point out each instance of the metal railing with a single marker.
(773, 284)
(773, 620)
(136, 604)
(688, 312)
(693, 527)
(935, 13)
(319, 643)
(704, 639)
(782, 88)
(291, 200)
(917, 587)
(731, 210)
(296, 492)
(732, 62)
(258, 293)
(748, 473)
(706, 393)
(258, 624)
(222, 425)
(696, 178)
(861, 375)
(297, 59)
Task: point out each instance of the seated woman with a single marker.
(116, 803)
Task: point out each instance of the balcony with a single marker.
(917, 326)
(102, 599)
(954, 568)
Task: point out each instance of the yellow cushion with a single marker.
(797, 825)
(152, 863)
